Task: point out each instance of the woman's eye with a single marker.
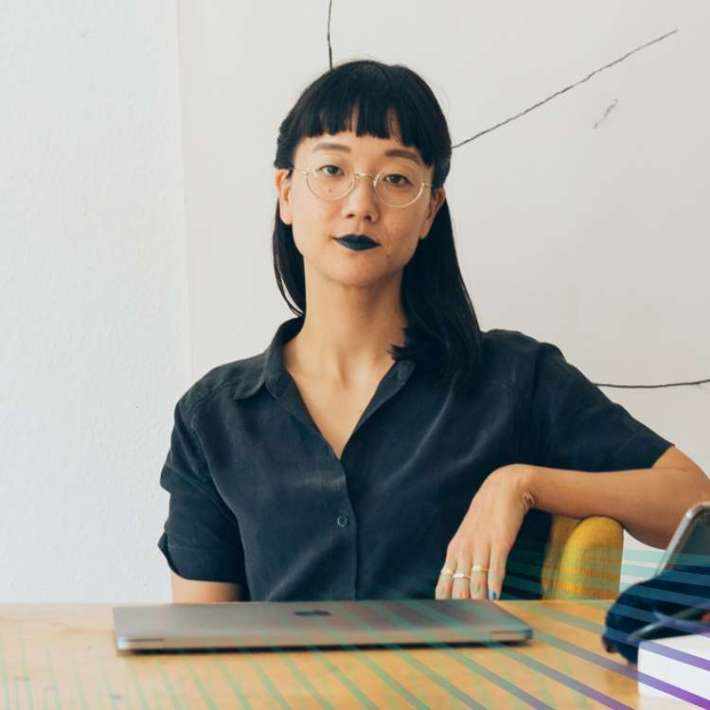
(325, 170)
(399, 180)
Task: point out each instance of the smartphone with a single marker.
(690, 544)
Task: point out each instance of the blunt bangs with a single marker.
(389, 102)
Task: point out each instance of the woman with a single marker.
(383, 445)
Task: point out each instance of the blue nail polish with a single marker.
(492, 595)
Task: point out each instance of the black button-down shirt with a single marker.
(258, 497)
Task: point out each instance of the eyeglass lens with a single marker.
(398, 184)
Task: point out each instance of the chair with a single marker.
(583, 558)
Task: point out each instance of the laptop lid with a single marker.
(317, 623)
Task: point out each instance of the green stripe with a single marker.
(4, 678)
(79, 685)
(540, 668)
(107, 686)
(588, 580)
(302, 679)
(578, 651)
(363, 699)
(564, 576)
(359, 695)
(582, 700)
(434, 676)
(372, 665)
(568, 681)
(28, 682)
(462, 658)
(408, 658)
(652, 556)
(136, 684)
(17, 693)
(266, 681)
(200, 685)
(534, 587)
(168, 684)
(57, 701)
(385, 676)
(233, 683)
(574, 650)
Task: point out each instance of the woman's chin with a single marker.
(357, 275)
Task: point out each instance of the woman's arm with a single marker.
(648, 502)
(191, 591)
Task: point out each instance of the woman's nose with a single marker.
(363, 191)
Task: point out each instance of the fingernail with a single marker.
(492, 595)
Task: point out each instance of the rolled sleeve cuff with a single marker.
(641, 451)
(202, 563)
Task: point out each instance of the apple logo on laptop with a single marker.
(312, 612)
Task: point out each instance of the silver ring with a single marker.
(460, 575)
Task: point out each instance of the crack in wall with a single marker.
(609, 109)
(564, 90)
(330, 48)
(547, 99)
(522, 113)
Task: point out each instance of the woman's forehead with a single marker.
(347, 143)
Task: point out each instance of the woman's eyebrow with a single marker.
(394, 152)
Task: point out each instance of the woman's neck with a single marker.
(346, 340)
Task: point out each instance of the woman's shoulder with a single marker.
(233, 380)
(507, 344)
(526, 360)
(516, 357)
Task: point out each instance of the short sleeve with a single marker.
(575, 426)
(201, 539)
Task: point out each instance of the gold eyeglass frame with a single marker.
(356, 176)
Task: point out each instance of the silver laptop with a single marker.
(321, 623)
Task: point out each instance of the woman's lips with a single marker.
(356, 244)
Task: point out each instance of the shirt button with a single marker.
(342, 521)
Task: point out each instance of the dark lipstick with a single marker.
(357, 242)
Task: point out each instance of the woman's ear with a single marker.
(435, 202)
(282, 180)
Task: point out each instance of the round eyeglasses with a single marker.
(396, 187)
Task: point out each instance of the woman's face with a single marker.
(317, 222)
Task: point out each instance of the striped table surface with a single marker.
(63, 656)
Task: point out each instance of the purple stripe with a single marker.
(469, 663)
(687, 658)
(662, 650)
(644, 678)
(526, 660)
(571, 683)
(654, 646)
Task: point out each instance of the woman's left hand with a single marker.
(486, 535)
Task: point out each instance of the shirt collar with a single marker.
(268, 367)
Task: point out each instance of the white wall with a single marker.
(595, 239)
(93, 290)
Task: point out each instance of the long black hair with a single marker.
(442, 336)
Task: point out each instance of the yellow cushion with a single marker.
(583, 558)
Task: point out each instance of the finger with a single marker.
(496, 572)
(444, 583)
(460, 586)
(479, 578)
(448, 587)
